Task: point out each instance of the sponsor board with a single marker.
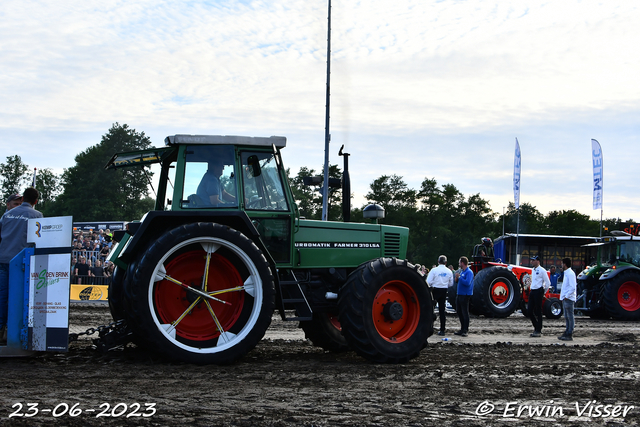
(89, 293)
(54, 232)
(48, 317)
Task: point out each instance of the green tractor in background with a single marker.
(610, 287)
(199, 277)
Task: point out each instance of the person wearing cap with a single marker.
(14, 201)
(13, 231)
(539, 284)
(440, 278)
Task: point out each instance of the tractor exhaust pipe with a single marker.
(346, 187)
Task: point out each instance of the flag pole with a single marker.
(327, 133)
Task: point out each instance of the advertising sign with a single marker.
(517, 163)
(49, 282)
(596, 155)
(54, 232)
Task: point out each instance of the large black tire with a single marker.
(496, 292)
(386, 310)
(186, 326)
(552, 308)
(452, 294)
(622, 295)
(116, 295)
(325, 331)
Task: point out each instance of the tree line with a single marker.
(441, 219)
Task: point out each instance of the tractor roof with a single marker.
(278, 141)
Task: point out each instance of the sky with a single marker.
(421, 89)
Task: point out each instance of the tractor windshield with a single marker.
(263, 187)
(627, 251)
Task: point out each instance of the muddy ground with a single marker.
(496, 376)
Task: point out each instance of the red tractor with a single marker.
(499, 289)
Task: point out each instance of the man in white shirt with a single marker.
(539, 284)
(568, 298)
(440, 278)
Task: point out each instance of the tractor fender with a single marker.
(156, 223)
(613, 272)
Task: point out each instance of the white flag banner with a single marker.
(516, 176)
(596, 153)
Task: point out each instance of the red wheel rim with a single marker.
(333, 319)
(171, 300)
(629, 296)
(404, 300)
(499, 292)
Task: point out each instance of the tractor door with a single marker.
(265, 201)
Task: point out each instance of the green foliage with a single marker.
(93, 193)
(570, 223)
(13, 175)
(309, 198)
(49, 186)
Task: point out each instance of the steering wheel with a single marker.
(254, 202)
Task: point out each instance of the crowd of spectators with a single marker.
(89, 257)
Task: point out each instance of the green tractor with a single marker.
(199, 277)
(610, 287)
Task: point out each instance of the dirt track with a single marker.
(285, 381)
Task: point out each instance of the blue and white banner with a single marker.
(596, 153)
(517, 162)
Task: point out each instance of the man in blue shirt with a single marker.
(553, 277)
(465, 290)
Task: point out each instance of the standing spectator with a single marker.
(539, 284)
(13, 232)
(553, 278)
(465, 290)
(97, 273)
(568, 298)
(104, 252)
(13, 201)
(440, 278)
(81, 271)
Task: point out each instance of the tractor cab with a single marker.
(483, 252)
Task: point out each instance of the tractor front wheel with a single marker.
(622, 295)
(386, 310)
(202, 293)
(552, 308)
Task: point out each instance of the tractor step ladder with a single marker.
(291, 293)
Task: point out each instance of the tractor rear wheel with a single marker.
(496, 292)
(552, 308)
(622, 295)
(116, 294)
(325, 331)
(386, 310)
(202, 293)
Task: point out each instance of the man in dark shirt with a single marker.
(81, 271)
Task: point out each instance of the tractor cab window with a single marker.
(630, 252)
(209, 177)
(263, 188)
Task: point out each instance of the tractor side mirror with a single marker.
(253, 167)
